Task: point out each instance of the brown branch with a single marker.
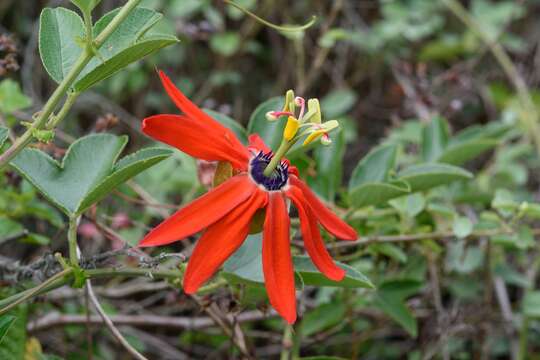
(53, 319)
(441, 235)
(229, 325)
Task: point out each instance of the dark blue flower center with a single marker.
(276, 180)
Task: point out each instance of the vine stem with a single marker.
(268, 23)
(530, 114)
(59, 280)
(523, 338)
(287, 342)
(34, 291)
(53, 101)
(72, 240)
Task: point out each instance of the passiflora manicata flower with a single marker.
(261, 179)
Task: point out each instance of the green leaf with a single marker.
(390, 250)
(409, 205)
(4, 132)
(322, 318)
(124, 170)
(123, 59)
(245, 265)
(12, 98)
(329, 167)
(86, 5)
(398, 311)
(376, 193)
(12, 343)
(85, 175)
(5, 323)
(36, 239)
(400, 289)
(458, 154)
(434, 139)
(531, 304)
(504, 202)
(230, 123)
(512, 276)
(226, 43)
(463, 259)
(270, 131)
(60, 34)
(9, 229)
(462, 226)
(311, 276)
(425, 176)
(337, 103)
(375, 166)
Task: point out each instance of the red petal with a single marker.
(256, 142)
(202, 212)
(219, 241)
(192, 137)
(213, 129)
(277, 260)
(331, 222)
(312, 237)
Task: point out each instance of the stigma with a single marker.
(277, 180)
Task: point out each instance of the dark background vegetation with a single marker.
(385, 69)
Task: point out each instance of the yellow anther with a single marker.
(314, 109)
(289, 101)
(318, 130)
(313, 136)
(291, 128)
(330, 125)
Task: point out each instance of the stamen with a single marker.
(291, 128)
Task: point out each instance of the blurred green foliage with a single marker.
(446, 199)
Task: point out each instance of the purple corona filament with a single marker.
(276, 180)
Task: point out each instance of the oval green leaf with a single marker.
(270, 131)
(85, 175)
(376, 193)
(375, 166)
(426, 176)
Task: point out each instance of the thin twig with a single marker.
(423, 236)
(234, 332)
(108, 322)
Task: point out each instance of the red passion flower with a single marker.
(224, 213)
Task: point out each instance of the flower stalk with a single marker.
(72, 240)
